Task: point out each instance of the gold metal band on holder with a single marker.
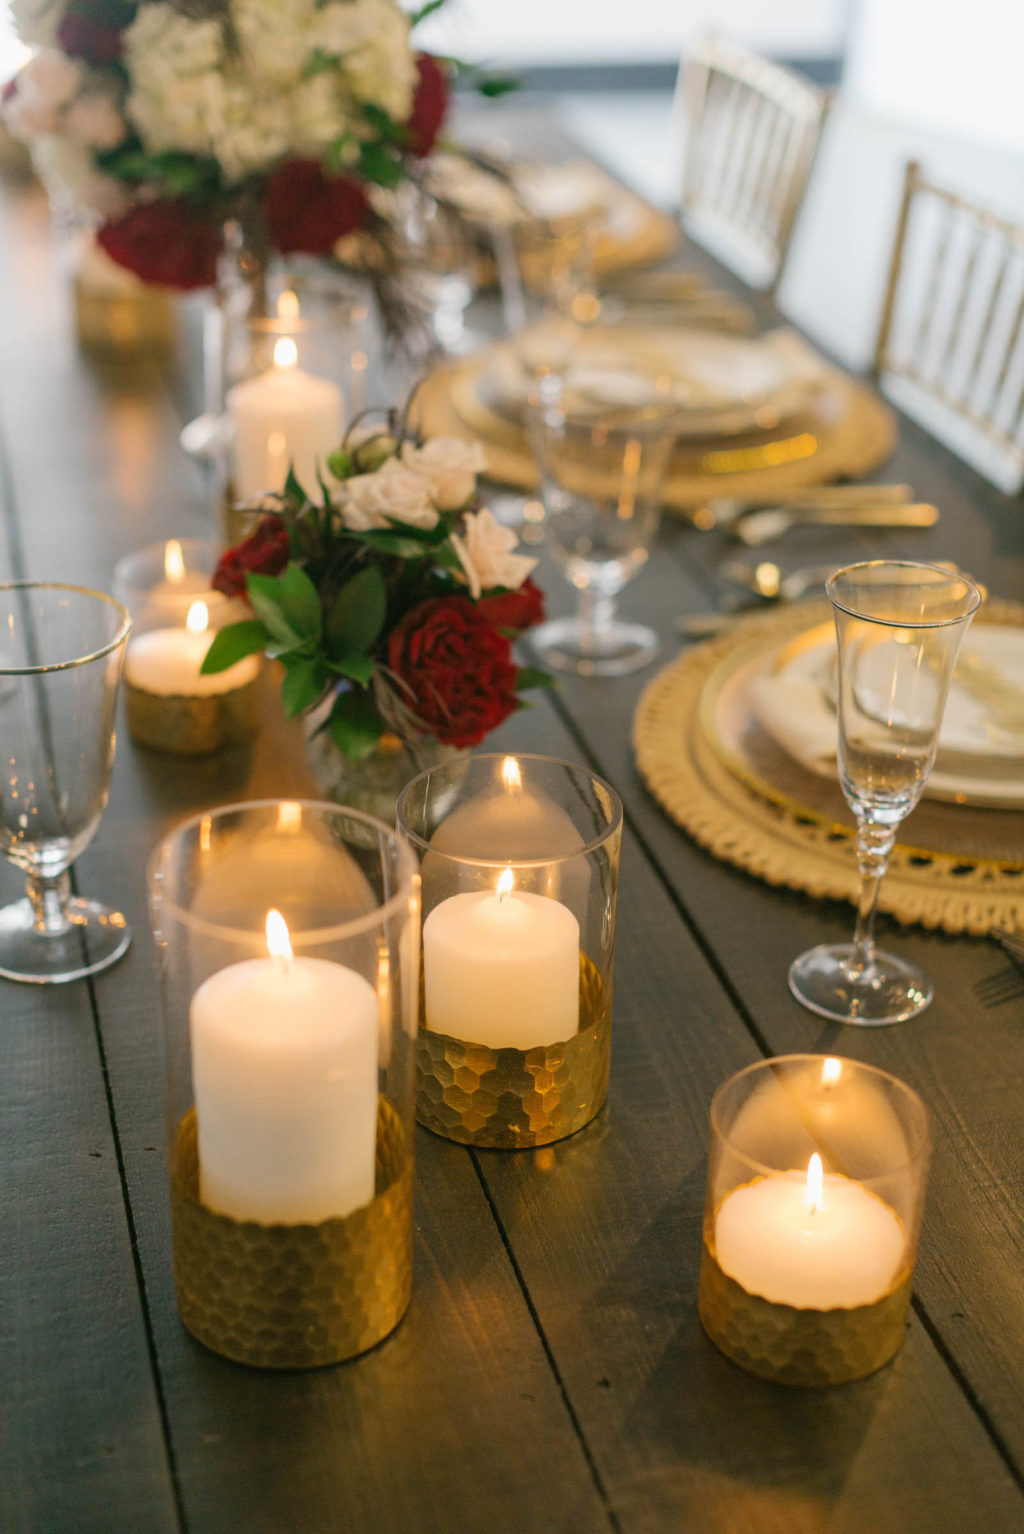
(192, 726)
(294, 1296)
(517, 1099)
(791, 1346)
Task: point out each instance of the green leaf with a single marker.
(293, 490)
(319, 62)
(357, 613)
(380, 165)
(400, 545)
(265, 596)
(529, 676)
(498, 85)
(303, 684)
(355, 728)
(425, 11)
(354, 665)
(340, 153)
(233, 644)
(294, 598)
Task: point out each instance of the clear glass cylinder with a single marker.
(816, 1188)
(158, 585)
(520, 865)
(288, 935)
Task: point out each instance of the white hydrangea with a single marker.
(253, 131)
(371, 38)
(274, 37)
(320, 109)
(176, 69)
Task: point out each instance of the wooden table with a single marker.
(551, 1376)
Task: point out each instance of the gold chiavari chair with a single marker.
(752, 131)
(950, 345)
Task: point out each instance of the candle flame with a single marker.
(279, 943)
(506, 883)
(198, 620)
(289, 816)
(831, 1070)
(174, 562)
(815, 1184)
(511, 775)
(287, 305)
(286, 353)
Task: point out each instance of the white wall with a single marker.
(518, 32)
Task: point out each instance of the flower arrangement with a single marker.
(396, 597)
(168, 119)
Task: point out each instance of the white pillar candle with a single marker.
(502, 969)
(284, 1069)
(167, 661)
(812, 1241)
(283, 417)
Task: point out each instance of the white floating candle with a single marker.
(808, 1240)
(283, 417)
(502, 969)
(167, 661)
(284, 1069)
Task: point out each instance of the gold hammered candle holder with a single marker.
(816, 1187)
(519, 862)
(288, 936)
(180, 725)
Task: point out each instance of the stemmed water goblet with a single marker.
(61, 654)
(899, 626)
(601, 479)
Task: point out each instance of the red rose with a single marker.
(516, 610)
(307, 212)
(429, 104)
(163, 242)
(264, 552)
(459, 669)
(84, 38)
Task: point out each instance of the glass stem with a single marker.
(874, 844)
(596, 613)
(49, 897)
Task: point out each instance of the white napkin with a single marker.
(793, 709)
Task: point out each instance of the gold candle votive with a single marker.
(288, 935)
(520, 859)
(815, 1191)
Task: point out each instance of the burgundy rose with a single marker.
(307, 211)
(84, 38)
(429, 104)
(264, 552)
(515, 610)
(458, 667)
(164, 242)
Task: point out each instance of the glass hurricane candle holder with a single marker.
(520, 864)
(288, 937)
(815, 1191)
(159, 583)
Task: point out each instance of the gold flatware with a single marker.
(766, 580)
(758, 527)
(725, 510)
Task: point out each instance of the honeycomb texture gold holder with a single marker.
(515, 1099)
(800, 1347)
(294, 1296)
(184, 726)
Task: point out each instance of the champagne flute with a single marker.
(899, 626)
(61, 653)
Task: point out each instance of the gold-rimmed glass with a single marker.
(61, 654)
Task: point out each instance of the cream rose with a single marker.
(450, 467)
(391, 493)
(485, 553)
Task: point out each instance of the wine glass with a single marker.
(899, 626)
(61, 653)
(601, 477)
(438, 249)
(546, 278)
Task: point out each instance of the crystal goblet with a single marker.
(899, 626)
(601, 477)
(61, 653)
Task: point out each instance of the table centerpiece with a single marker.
(392, 601)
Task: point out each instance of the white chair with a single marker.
(950, 347)
(752, 129)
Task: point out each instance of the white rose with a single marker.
(390, 492)
(44, 87)
(485, 553)
(95, 120)
(64, 163)
(450, 466)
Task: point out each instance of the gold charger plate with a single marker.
(849, 433)
(957, 868)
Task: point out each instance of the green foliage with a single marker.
(233, 644)
(380, 165)
(354, 725)
(340, 464)
(426, 10)
(528, 677)
(288, 604)
(303, 685)
(357, 614)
